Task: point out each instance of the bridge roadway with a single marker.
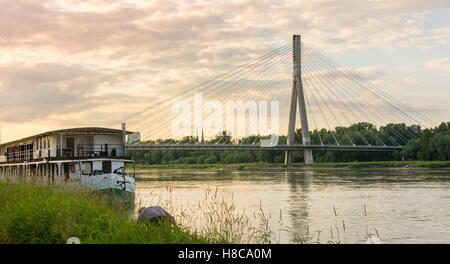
(256, 147)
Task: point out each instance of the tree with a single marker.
(409, 152)
(242, 157)
(147, 158)
(190, 160)
(156, 157)
(201, 159)
(425, 152)
(211, 159)
(279, 159)
(422, 144)
(440, 143)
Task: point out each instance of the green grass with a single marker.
(351, 165)
(49, 215)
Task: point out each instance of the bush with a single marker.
(279, 159)
(190, 160)
(242, 157)
(201, 159)
(211, 160)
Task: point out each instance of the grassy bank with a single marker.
(350, 165)
(46, 214)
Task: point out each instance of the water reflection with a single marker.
(300, 187)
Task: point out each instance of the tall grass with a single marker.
(338, 232)
(216, 218)
(47, 214)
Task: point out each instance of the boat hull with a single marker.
(118, 195)
(118, 187)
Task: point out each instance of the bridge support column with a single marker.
(297, 96)
(308, 156)
(288, 157)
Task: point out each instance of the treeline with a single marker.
(419, 144)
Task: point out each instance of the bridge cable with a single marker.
(365, 97)
(146, 126)
(405, 106)
(267, 84)
(223, 82)
(323, 115)
(360, 110)
(255, 84)
(362, 84)
(393, 130)
(333, 85)
(315, 77)
(209, 83)
(314, 81)
(309, 106)
(225, 94)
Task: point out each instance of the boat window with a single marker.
(106, 166)
(86, 168)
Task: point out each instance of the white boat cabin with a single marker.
(69, 153)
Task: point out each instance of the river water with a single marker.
(340, 206)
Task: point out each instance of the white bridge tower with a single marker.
(298, 96)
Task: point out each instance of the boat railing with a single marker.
(19, 155)
(81, 150)
(91, 150)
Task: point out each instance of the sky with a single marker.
(69, 63)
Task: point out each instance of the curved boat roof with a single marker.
(77, 131)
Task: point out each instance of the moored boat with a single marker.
(92, 157)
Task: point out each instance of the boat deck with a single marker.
(64, 160)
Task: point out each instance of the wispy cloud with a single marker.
(442, 64)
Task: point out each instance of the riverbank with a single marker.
(51, 215)
(349, 165)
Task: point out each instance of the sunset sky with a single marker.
(75, 63)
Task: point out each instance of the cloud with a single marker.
(371, 73)
(61, 60)
(442, 64)
(75, 26)
(47, 90)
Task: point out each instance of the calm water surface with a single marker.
(403, 206)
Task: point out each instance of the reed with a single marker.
(215, 217)
(219, 219)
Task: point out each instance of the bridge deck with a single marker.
(294, 147)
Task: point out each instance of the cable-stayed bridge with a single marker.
(259, 105)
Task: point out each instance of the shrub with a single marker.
(211, 160)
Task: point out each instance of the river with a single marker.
(339, 206)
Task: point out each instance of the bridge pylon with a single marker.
(297, 97)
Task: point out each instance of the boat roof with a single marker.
(76, 131)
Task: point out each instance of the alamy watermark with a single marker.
(231, 118)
